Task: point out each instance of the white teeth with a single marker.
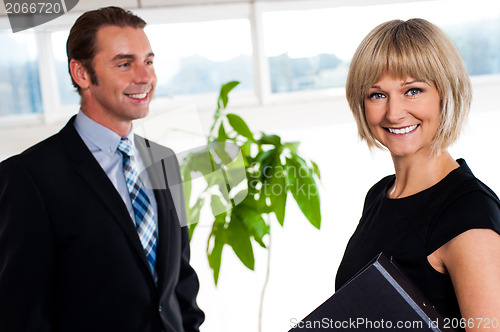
(139, 95)
(402, 130)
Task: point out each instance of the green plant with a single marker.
(250, 185)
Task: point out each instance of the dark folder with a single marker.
(379, 297)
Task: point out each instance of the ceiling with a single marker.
(84, 5)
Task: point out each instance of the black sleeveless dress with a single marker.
(411, 228)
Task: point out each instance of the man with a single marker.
(85, 243)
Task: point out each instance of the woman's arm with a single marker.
(473, 262)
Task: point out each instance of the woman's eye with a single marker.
(414, 91)
(376, 95)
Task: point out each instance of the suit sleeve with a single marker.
(187, 289)
(26, 253)
(188, 285)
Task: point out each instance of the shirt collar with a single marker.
(103, 138)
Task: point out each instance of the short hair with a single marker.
(82, 39)
(419, 49)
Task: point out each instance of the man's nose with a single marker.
(144, 74)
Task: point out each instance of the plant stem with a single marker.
(268, 272)
(216, 120)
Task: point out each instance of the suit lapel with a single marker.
(163, 250)
(152, 156)
(94, 176)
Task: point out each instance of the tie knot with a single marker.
(125, 147)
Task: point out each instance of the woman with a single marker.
(410, 93)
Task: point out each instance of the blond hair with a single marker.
(419, 49)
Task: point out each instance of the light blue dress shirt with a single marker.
(103, 143)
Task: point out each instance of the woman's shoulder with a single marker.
(467, 203)
(379, 189)
(462, 181)
(383, 184)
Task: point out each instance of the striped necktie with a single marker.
(143, 210)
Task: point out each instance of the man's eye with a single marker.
(376, 95)
(123, 65)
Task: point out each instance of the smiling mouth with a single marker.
(137, 95)
(401, 131)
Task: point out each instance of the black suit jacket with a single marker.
(70, 256)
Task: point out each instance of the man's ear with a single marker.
(79, 74)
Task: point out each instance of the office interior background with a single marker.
(291, 58)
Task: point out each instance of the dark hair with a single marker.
(82, 40)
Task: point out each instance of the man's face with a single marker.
(123, 64)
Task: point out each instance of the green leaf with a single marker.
(262, 204)
(303, 163)
(215, 255)
(220, 150)
(240, 126)
(259, 203)
(316, 169)
(222, 133)
(217, 206)
(193, 214)
(246, 149)
(224, 92)
(253, 221)
(278, 191)
(267, 157)
(223, 186)
(201, 161)
(303, 188)
(191, 228)
(235, 177)
(253, 180)
(186, 183)
(240, 196)
(266, 167)
(270, 139)
(239, 239)
(293, 146)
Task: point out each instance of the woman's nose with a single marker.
(395, 110)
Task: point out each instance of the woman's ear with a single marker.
(79, 74)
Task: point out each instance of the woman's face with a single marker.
(403, 114)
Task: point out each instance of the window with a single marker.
(190, 58)
(67, 93)
(479, 43)
(196, 58)
(306, 49)
(19, 80)
(311, 49)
